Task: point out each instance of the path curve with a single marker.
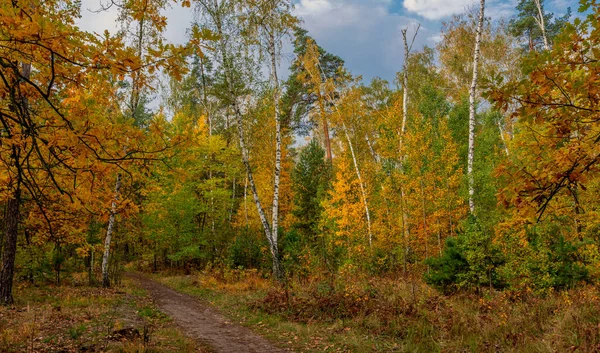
(204, 323)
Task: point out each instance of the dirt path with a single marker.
(204, 323)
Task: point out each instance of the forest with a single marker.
(449, 210)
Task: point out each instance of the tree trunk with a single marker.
(405, 228)
(277, 273)
(58, 262)
(327, 139)
(407, 48)
(404, 87)
(472, 98)
(503, 138)
(372, 150)
(362, 187)
(277, 172)
(12, 215)
(91, 279)
(205, 98)
(541, 23)
(261, 212)
(424, 214)
(246, 201)
(11, 224)
(109, 232)
(320, 100)
(232, 200)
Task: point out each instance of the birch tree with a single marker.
(262, 23)
(472, 102)
(142, 22)
(540, 22)
(407, 49)
(267, 22)
(109, 233)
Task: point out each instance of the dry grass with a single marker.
(365, 314)
(86, 319)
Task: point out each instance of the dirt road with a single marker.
(203, 322)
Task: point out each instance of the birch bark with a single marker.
(540, 22)
(275, 220)
(362, 187)
(109, 233)
(407, 48)
(472, 98)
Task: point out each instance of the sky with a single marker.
(365, 33)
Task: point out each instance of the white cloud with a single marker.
(437, 9)
(363, 33)
(501, 9)
(313, 7)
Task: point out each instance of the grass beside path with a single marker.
(366, 314)
(88, 319)
(238, 299)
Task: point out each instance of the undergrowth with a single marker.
(366, 314)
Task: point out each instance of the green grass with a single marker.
(77, 331)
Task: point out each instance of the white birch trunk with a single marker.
(472, 98)
(540, 22)
(109, 232)
(405, 227)
(277, 172)
(244, 150)
(362, 187)
(503, 138)
(404, 88)
(376, 156)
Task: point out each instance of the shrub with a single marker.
(469, 260)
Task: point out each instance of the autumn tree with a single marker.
(54, 74)
(555, 146)
(42, 78)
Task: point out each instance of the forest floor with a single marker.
(224, 310)
(75, 317)
(204, 323)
